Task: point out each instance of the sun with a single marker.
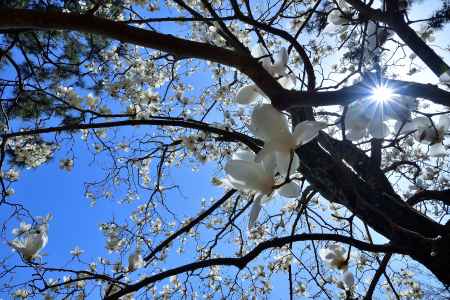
(382, 93)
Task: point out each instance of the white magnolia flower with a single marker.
(23, 228)
(249, 93)
(278, 67)
(338, 18)
(30, 243)
(432, 134)
(445, 77)
(368, 116)
(246, 175)
(348, 280)
(272, 126)
(76, 252)
(335, 256)
(135, 261)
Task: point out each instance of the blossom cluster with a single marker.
(30, 151)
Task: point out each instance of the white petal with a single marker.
(348, 280)
(288, 81)
(250, 174)
(264, 152)
(268, 123)
(247, 94)
(254, 212)
(422, 122)
(445, 77)
(344, 5)
(260, 53)
(438, 150)
(399, 108)
(290, 190)
(306, 131)
(444, 122)
(283, 160)
(280, 64)
(269, 163)
(357, 116)
(242, 170)
(327, 255)
(230, 182)
(243, 155)
(426, 135)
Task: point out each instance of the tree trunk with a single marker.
(367, 193)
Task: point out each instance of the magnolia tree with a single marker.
(318, 128)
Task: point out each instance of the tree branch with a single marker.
(190, 225)
(243, 261)
(443, 196)
(231, 135)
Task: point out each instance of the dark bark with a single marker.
(367, 193)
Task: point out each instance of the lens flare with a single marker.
(382, 93)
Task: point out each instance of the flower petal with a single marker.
(264, 152)
(270, 164)
(306, 131)
(280, 64)
(247, 94)
(243, 155)
(444, 123)
(327, 255)
(348, 280)
(422, 122)
(437, 149)
(269, 124)
(230, 182)
(283, 160)
(445, 77)
(260, 53)
(288, 81)
(254, 212)
(250, 174)
(290, 190)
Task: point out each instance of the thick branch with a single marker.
(443, 196)
(13, 19)
(346, 95)
(230, 135)
(281, 98)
